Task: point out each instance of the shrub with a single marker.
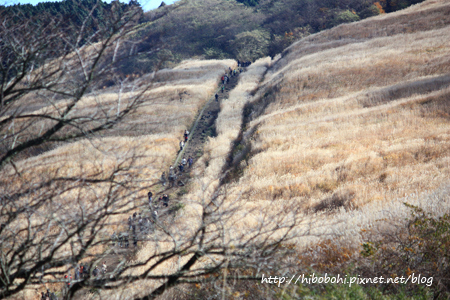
(251, 45)
(420, 246)
(337, 200)
(347, 17)
(214, 53)
(371, 11)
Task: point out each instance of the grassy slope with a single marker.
(151, 134)
(360, 110)
(358, 114)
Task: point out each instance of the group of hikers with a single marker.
(48, 295)
(138, 226)
(243, 64)
(164, 200)
(82, 271)
(173, 174)
(138, 222)
(228, 74)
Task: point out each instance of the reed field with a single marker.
(333, 135)
(356, 124)
(136, 152)
(358, 117)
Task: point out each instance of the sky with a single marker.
(146, 4)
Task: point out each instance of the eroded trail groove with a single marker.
(203, 127)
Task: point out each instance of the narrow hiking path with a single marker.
(202, 128)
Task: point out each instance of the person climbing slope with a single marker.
(163, 179)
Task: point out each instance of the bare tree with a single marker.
(52, 221)
(51, 64)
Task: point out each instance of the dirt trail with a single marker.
(206, 123)
(203, 127)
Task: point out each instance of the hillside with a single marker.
(218, 29)
(211, 29)
(345, 126)
(303, 164)
(362, 105)
(350, 123)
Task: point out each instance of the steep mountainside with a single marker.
(229, 29)
(361, 110)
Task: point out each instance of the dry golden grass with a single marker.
(228, 125)
(357, 111)
(147, 141)
(360, 114)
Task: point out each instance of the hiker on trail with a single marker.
(181, 167)
(223, 88)
(104, 268)
(165, 200)
(46, 296)
(86, 271)
(186, 135)
(141, 224)
(114, 238)
(239, 63)
(95, 272)
(77, 273)
(52, 296)
(126, 241)
(223, 79)
(217, 97)
(133, 224)
(181, 145)
(120, 240)
(150, 200)
(163, 179)
(184, 161)
(172, 179)
(150, 196)
(130, 223)
(123, 239)
(68, 279)
(190, 161)
(147, 224)
(155, 216)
